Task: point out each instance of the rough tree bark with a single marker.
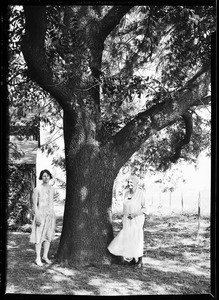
(93, 162)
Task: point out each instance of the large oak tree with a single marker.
(95, 62)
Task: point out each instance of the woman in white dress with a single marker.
(129, 242)
(43, 227)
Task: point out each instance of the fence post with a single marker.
(182, 201)
(170, 201)
(199, 211)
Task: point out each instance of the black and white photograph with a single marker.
(109, 129)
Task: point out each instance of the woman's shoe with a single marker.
(132, 262)
(46, 260)
(139, 265)
(39, 263)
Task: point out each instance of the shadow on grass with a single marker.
(169, 268)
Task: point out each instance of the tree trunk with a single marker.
(87, 227)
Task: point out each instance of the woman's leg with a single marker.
(46, 246)
(139, 263)
(38, 251)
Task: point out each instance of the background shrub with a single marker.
(20, 188)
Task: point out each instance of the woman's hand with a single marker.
(131, 216)
(38, 222)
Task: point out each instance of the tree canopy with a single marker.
(149, 56)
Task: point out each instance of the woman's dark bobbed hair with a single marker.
(45, 171)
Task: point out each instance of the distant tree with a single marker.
(121, 76)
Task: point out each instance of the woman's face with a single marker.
(45, 178)
(130, 184)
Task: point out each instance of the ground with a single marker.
(176, 261)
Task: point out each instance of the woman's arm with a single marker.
(143, 209)
(53, 195)
(51, 205)
(35, 205)
(35, 201)
(137, 213)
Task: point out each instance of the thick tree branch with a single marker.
(187, 117)
(112, 19)
(204, 101)
(34, 53)
(205, 68)
(97, 33)
(129, 139)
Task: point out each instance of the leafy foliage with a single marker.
(19, 188)
(176, 50)
(146, 58)
(28, 103)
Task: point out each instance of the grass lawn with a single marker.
(176, 261)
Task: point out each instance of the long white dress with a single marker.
(129, 242)
(43, 196)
